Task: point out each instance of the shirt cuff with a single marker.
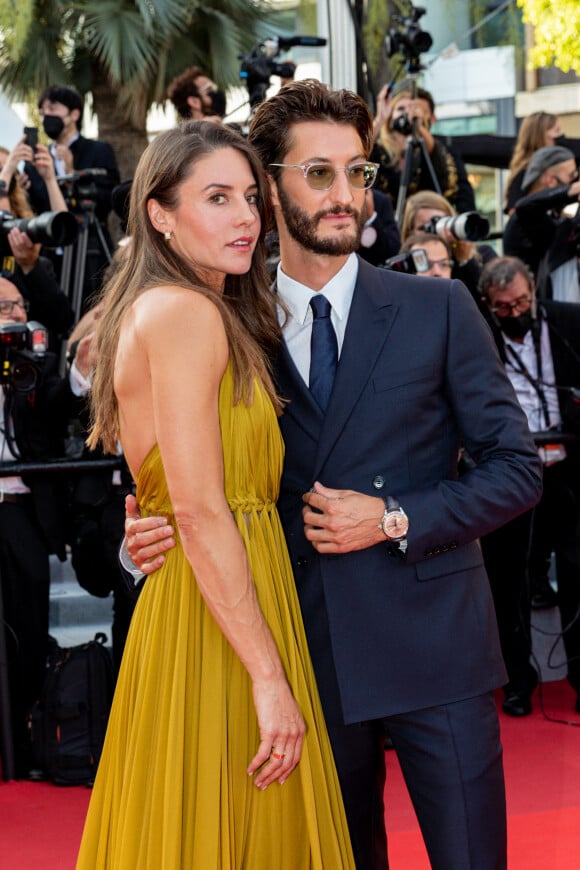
(128, 564)
(79, 385)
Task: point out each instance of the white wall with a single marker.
(11, 124)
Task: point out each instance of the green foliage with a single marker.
(15, 19)
(557, 33)
(137, 47)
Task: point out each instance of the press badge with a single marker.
(552, 453)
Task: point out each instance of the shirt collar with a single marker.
(339, 291)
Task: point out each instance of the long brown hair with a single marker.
(531, 136)
(247, 305)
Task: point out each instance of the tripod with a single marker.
(77, 252)
(415, 153)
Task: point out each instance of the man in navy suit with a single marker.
(382, 533)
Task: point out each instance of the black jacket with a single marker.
(40, 421)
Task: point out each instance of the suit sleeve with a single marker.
(506, 478)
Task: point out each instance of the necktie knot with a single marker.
(323, 351)
(320, 306)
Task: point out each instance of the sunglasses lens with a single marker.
(362, 175)
(320, 176)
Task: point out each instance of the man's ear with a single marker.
(75, 115)
(274, 198)
(159, 217)
(194, 104)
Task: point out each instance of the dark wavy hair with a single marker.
(307, 100)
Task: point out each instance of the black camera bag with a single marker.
(68, 722)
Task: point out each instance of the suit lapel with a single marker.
(371, 317)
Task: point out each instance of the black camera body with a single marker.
(23, 347)
(402, 124)
(79, 189)
(257, 67)
(410, 263)
(408, 38)
(469, 226)
(53, 229)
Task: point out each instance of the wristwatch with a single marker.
(395, 525)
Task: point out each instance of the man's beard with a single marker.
(303, 227)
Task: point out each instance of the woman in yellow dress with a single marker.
(216, 756)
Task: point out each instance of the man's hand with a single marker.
(44, 163)
(146, 538)
(86, 354)
(340, 520)
(64, 153)
(26, 253)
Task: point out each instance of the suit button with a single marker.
(302, 561)
(379, 481)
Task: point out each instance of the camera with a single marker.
(412, 262)
(408, 39)
(402, 124)
(80, 190)
(22, 349)
(51, 228)
(260, 64)
(469, 226)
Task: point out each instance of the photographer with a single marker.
(422, 211)
(32, 508)
(88, 196)
(405, 118)
(539, 232)
(32, 273)
(436, 261)
(540, 347)
(196, 97)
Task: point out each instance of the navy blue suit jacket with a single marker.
(418, 376)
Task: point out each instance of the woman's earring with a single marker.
(167, 235)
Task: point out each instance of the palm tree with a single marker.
(124, 53)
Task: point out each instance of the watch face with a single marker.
(395, 525)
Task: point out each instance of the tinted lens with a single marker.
(361, 175)
(320, 176)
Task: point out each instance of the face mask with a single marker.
(516, 327)
(52, 126)
(560, 140)
(217, 105)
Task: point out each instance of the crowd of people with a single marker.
(332, 473)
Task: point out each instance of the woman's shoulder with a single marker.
(174, 310)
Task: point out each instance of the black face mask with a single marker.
(52, 126)
(217, 105)
(560, 140)
(516, 327)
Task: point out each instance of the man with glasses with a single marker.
(33, 426)
(540, 347)
(540, 232)
(383, 374)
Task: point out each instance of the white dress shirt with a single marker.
(526, 394)
(296, 296)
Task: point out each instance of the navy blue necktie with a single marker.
(323, 351)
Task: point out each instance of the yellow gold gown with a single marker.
(172, 792)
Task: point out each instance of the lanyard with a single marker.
(522, 368)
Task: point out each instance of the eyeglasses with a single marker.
(7, 305)
(321, 176)
(504, 309)
(441, 263)
(573, 177)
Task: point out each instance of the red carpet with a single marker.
(41, 824)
